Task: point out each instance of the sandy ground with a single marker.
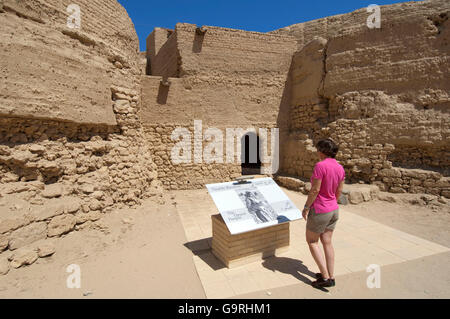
(416, 220)
(128, 254)
(140, 253)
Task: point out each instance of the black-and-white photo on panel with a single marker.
(253, 205)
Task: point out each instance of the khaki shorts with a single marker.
(318, 223)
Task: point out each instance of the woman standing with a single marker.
(322, 211)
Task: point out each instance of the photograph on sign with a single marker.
(252, 205)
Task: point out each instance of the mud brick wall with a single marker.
(365, 89)
(227, 79)
(194, 175)
(71, 143)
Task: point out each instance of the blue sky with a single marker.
(250, 15)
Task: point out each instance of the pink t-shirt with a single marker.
(331, 173)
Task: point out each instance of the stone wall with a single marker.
(39, 52)
(226, 79)
(199, 170)
(71, 143)
(367, 89)
(184, 175)
(224, 52)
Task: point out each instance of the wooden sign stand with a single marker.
(240, 249)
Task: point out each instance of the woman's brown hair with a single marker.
(327, 147)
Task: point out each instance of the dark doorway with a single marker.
(251, 163)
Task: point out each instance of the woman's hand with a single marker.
(305, 213)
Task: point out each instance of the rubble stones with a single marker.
(87, 188)
(24, 256)
(60, 225)
(355, 197)
(4, 266)
(7, 225)
(49, 211)
(46, 249)
(52, 191)
(387, 197)
(27, 235)
(73, 206)
(290, 183)
(4, 242)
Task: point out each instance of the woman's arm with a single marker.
(315, 189)
(339, 189)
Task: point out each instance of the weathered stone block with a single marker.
(4, 266)
(390, 172)
(416, 189)
(386, 197)
(87, 188)
(49, 212)
(73, 206)
(290, 182)
(60, 225)
(355, 197)
(54, 190)
(446, 193)
(27, 235)
(96, 205)
(122, 107)
(4, 242)
(36, 148)
(46, 249)
(397, 190)
(22, 257)
(8, 225)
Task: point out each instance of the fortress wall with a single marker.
(198, 171)
(63, 83)
(382, 94)
(228, 79)
(345, 24)
(71, 143)
(236, 77)
(168, 108)
(231, 52)
(189, 99)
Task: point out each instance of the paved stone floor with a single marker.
(359, 242)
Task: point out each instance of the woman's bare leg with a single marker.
(313, 242)
(328, 248)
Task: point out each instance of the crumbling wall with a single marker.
(71, 143)
(227, 79)
(382, 94)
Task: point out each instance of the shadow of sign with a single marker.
(202, 249)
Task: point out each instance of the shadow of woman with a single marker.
(289, 266)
